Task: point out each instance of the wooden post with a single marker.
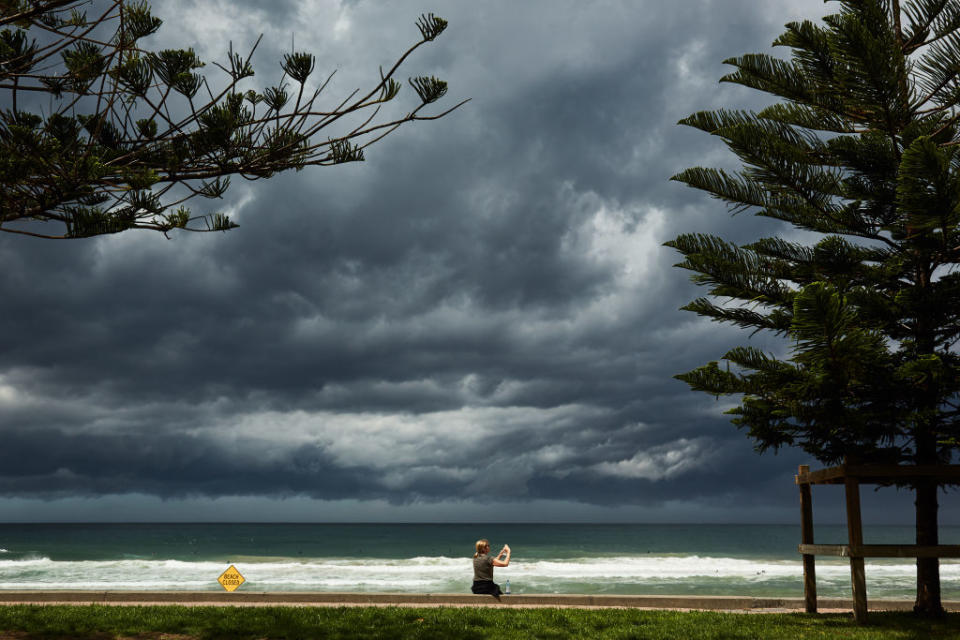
(855, 536)
(806, 537)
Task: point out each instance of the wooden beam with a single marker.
(806, 537)
(830, 475)
(886, 471)
(946, 474)
(841, 550)
(911, 551)
(881, 550)
(855, 535)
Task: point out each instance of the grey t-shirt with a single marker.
(483, 567)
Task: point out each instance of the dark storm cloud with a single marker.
(483, 308)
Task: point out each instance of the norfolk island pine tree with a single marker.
(100, 135)
(860, 148)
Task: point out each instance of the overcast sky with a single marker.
(477, 323)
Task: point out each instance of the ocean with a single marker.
(681, 559)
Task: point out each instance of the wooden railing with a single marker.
(852, 476)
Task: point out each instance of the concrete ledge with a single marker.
(261, 598)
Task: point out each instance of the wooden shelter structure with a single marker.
(852, 476)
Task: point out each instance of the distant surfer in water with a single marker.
(483, 564)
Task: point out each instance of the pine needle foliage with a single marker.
(861, 151)
(99, 134)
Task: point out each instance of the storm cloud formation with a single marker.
(480, 314)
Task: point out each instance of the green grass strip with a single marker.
(104, 621)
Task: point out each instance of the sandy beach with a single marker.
(254, 598)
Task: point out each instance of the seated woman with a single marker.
(483, 564)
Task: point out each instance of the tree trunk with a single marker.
(928, 569)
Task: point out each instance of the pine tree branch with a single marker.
(37, 9)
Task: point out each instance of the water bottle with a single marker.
(506, 588)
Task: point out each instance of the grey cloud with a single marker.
(492, 283)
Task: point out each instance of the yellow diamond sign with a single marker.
(231, 579)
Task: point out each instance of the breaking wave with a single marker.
(646, 574)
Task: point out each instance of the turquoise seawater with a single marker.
(435, 558)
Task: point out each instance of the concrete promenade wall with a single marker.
(262, 598)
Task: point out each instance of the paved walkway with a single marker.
(274, 598)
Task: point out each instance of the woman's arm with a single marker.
(506, 561)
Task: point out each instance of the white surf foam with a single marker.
(443, 574)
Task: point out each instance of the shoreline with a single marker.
(331, 599)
